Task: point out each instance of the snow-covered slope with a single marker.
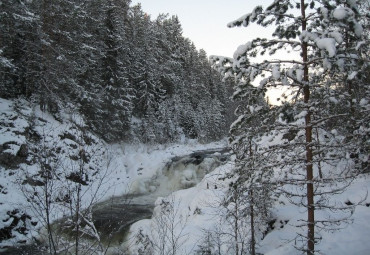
(197, 218)
(28, 134)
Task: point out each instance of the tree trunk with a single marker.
(309, 155)
(236, 227)
(77, 215)
(52, 248)
(253, 240)
(319, 153)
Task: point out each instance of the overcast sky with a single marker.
(204, 21)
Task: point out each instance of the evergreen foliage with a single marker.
(319, 126)
(132, 78)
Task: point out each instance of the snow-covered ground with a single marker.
(197, 211)
(137, 164)
(123, 168)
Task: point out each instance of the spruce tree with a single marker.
(19, 49)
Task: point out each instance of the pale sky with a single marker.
(205, 21)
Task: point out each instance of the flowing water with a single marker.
(113, 217)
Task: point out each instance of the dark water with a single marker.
(24, 250)
(113, 217)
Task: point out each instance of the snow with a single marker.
(333, 100)
(326, 63)
(337, 36)
(301, 115)
(124, 168)
(202, 209)
(299, 73)
(360, 44)
(5, 62)
(237, 121)
(352, 239)
(241, 50)
(327, 44)
(342, 13)
(132, 167)
(307, 36)
(324, 11)
(352, 3)
(364, 102)
(242, 19)
(247, 18)
(358, 29)
(139, 163)
(200, 206)
(352, 75)
(276, 71)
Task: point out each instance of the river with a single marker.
(113, 217)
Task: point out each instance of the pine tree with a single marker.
(311, 137)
